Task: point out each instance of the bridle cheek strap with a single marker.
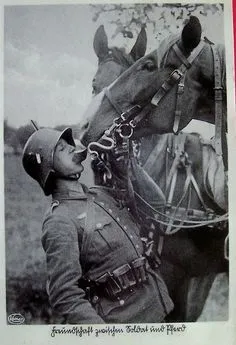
(178, 107)
(177, 76)
(220, 131)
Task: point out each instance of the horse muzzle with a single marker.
(80, 152)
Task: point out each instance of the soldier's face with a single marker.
(67, 161)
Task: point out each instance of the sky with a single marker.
(49, 61)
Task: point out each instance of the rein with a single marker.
(124, 126)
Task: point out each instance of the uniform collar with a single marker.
(74, 190)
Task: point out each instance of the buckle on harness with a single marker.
(218, 93)
(180, 89)
(176, 75)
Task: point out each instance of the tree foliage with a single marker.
(16, 138)
(159, 19)
(10, 138)
(23, 133)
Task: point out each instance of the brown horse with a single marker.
(112, 61)
(156, 73)
(185, 247)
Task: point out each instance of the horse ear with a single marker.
(191, 34)
(100, 42)
(140, 45)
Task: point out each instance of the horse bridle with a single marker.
(127, 120)
(178, 76)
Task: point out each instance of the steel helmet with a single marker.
(38, 154)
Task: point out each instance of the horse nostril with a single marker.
(94, 90)
(85, 126)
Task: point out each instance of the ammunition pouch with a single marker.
(123, 280)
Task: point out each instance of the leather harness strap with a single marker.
(88, 230)
(177, 76)
(220, 132)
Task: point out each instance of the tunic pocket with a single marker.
(107, 236)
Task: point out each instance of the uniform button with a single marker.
(122, 302)
(125, 227)
(137, 246)
(98, 225)
(118, 219)
(110, 210)
(93, 198)
(102, 203)
(131, 236)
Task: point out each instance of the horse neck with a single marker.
(207, 114)
(207, 103)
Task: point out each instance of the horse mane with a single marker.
(119, 56)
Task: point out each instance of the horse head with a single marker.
(113, 61)
(159, 73)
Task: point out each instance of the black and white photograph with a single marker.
(116, 132)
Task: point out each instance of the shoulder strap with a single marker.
(88, 230)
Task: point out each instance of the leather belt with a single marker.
(122, 280)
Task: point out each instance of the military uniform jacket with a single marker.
(113, 240)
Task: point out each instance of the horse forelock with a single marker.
(119, 56)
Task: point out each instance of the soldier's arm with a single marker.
(60, 242)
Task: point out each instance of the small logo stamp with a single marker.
(16, 319)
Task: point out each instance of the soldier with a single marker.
(97, 271)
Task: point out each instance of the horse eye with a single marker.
(148, 65)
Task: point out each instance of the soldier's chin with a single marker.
(76, 175)
(80, 169)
